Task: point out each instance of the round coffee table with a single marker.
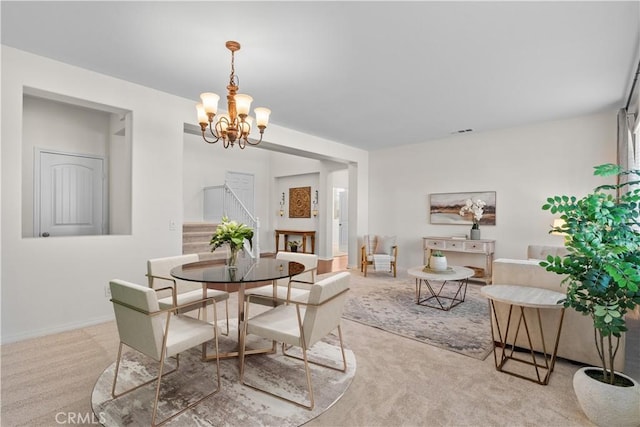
(454, 274)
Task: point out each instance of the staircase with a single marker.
(196, 237)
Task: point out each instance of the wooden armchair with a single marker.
(379, 251)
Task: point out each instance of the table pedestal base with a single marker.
(542, 363)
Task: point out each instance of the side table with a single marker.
(520, 298)
(460, 275)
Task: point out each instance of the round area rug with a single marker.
(235, 404)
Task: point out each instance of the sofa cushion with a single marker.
(540, 252)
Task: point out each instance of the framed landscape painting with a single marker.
(444, 208)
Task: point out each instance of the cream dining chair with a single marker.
(159, 275)
(301, 324)
(295, 288)
(157, 333)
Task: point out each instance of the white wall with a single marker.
(49, 285)
(524, 165)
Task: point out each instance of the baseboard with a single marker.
(8, 339)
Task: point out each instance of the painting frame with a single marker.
(300, 202)
(444, 208)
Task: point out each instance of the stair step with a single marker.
(194, 227)
(198, 236)
(196, 248)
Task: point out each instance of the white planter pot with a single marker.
(605, 404)
(438, 263)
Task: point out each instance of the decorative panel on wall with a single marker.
(300, 202)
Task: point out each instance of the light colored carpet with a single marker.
(399, 382)
(391, 306)
(235, 404)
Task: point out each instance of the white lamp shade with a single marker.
(202, 116)
(243, 103)
(558, 223)
(262, 116)
(210, 102)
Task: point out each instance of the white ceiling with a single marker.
(367, 74)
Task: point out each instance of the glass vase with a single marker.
(232, 261)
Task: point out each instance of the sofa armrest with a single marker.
(525, 273)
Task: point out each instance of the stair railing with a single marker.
(221, 200)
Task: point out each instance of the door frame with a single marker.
(37, 151)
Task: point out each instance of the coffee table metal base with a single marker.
(440, 299)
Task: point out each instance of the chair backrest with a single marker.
(369, 244)
(162, 267)
(137, 329)
(310, 262)
(323, 317)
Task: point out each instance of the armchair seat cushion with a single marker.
(266, 291)
(187, 332)
(192, 296)
(278, 324)
(370, 257)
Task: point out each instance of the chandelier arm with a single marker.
(204, 136)
(258, 141)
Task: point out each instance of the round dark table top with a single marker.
(247, 270)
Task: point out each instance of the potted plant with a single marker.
(437, 261)
(476, 209)
(602, 271)
(293, 245)
(233, 234)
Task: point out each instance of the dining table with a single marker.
(247, 271)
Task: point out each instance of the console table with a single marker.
(486, 248)
(304, 234)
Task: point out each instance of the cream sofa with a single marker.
(577, 336)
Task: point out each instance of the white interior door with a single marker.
(71, 192)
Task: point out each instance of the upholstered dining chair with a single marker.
(379, 251)
(296, 288)
(301, 325)
(159, 334)
(158, 273)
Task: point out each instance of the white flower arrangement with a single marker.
(476, 208)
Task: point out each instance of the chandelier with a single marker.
(235, 126)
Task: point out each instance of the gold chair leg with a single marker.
(311, 404)
(192, 405)
(344, 357)
(115, 376)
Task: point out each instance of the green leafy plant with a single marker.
(293, 244)
(437, 253)
(603, 262)
(232, 233)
